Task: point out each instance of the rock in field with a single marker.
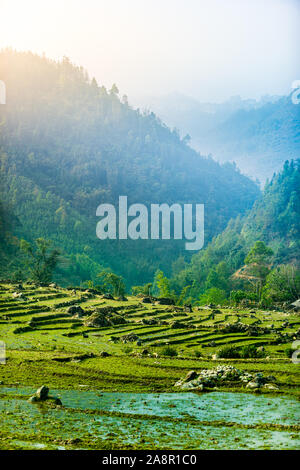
(221, 375)
(76, 310)
(107, 296)
(18, 296)
(130, 338)
(165, 301)
(191, 376)
(252, 384)
(42, 394)
(104, 354)
(270, 386)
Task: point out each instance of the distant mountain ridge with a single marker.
(258, 135)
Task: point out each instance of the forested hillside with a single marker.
(68, 144)
(274, 220)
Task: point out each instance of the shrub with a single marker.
(237, 296)
(289, 352)
(127, 349)
(229, 352)
(142, 290)
(169, 351)
(250, 351)
(197, 353)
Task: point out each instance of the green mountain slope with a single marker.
(274, 219)
(68, 145)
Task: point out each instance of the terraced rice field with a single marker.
(46, 344)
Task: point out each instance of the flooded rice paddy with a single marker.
(217, 420)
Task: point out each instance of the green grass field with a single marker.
(47, 345)
(43, 342)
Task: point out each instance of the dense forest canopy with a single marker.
(274, 221)
(68, 144)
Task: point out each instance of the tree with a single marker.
(111, 282)
(257, 265)
(212, 295)
(182, 298)
(259, 253)
(282, 284)
(40, 259)
(219, 277)
(187, 139)
(145, 289)
(163, 284)
(237, 296)
(114, 90)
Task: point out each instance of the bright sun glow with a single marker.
(154, 47)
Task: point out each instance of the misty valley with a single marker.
(149, 292)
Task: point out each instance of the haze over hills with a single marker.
(68, 145)
(258, 135)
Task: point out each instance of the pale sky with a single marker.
(208, 49)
